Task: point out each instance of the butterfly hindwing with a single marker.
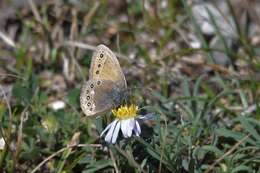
(98, 96)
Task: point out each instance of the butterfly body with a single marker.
(106, 85)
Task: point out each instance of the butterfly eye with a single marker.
(98, 82)
(92, 86)
(97, 72)
(101, 55)
(89, 104)
(88, 97)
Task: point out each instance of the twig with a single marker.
(227, 153)
(90, 47)
(60, 151)
(11, 75)
(80, 45)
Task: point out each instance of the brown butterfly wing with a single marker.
(106, 86)
(104, 65)
(98, 96)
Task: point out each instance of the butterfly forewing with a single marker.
(97, 62)
(104, 65)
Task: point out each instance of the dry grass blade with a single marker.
(91, 13)
(7, 39)
(62, 150)
(19, 136)
(35, 10)
(80, 45)
(6, 138)
(114, 161)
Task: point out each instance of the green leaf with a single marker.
(73, 97)
(86, 159)
(249, 127)
(229, 133)
(197, 86)
(241, 168)
(243, 99)
(213, 149)
(22, 94)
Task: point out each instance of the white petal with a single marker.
(109, 125)
(110, 132)
(115, 134)
(124, 127)
(137, 129)
(131, 125)
(147, 116)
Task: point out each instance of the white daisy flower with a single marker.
(127, 121)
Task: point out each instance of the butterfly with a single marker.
(106, 86)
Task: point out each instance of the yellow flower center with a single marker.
(125, 112)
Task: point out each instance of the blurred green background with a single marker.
(193, 63)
